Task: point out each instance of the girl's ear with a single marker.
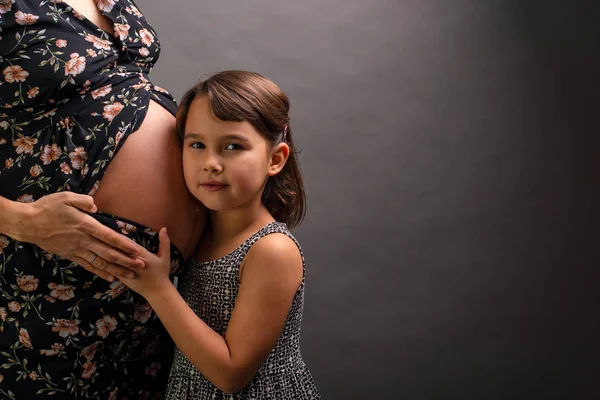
(278, 157)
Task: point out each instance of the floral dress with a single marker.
(70, 95)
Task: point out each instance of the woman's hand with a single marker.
(155, 276)
(58, 224)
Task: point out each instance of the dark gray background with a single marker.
(451, 167)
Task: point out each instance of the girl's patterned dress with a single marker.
(210, 288)
(70, 95)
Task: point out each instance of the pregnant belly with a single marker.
(144, 182)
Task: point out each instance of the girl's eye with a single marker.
(197, 145)
(233, 146)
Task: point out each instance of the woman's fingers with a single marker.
(111, 238)
(100, 263)
(90, 268)
(144, 254)
(114, 256)
(83, 202)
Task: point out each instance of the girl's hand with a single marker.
(155, 276)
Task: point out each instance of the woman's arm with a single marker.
(272, 273)
(58, 224)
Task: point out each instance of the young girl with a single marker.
(236, 318)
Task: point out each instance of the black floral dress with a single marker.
(70, 94)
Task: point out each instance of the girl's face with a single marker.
(226, 164)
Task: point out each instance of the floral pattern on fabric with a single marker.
(70, 95)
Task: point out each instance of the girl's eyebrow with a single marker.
(192, 135)
(234, 136)
(231, 136)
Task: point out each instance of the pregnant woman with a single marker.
(89, 162)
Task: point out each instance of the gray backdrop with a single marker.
(448, 158)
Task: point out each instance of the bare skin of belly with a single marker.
(144, 183)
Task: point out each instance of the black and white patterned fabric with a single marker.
(211, 288)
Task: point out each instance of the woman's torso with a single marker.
(76, 102)
(144, 182)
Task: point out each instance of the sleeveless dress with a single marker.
(70, 95)
(210, 289)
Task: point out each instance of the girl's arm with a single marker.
(271, 274)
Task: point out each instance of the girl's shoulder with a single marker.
(275, 240)
(275, 252)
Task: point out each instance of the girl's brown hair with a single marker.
(247, 96)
